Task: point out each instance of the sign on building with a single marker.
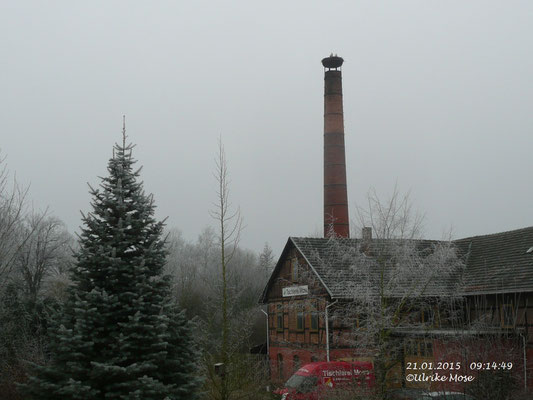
(295, 291)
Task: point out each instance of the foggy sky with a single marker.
(438, 98)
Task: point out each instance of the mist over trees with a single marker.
(219, 285)
(38, 255)
(195, 268)
(35, 254)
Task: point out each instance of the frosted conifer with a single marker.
(119, 335)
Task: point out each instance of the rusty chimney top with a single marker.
(336, 220)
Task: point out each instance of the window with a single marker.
(507, 315)
(426, 349)
(279, 318)
(314, 321)
(411, 348)
(297, 316)
(430, 317)
(303, 384)
(300, 325)
(419, 348)
(280, 366)
(360, 321)
(426, 317)
(296, 363)
(294, 269)
(429, 349)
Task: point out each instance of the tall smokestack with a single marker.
(335, 192)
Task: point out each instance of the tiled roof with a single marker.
(345, 270)
(498, 263)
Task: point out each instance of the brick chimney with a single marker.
(366, 234)
(336, 219)
(366, 239)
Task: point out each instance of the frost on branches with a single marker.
(119, 335)
(391, 286)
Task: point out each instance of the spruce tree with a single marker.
(119, 336)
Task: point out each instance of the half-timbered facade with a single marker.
(496, 311)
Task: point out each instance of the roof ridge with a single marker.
(495, 234)
(373, 239)
(430, 240)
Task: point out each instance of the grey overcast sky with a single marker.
(438, 97)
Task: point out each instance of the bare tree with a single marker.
(393, 218)
(220, 284)
(196, 270)
(394, 282)
(267, 261)
(184, 266)
(206, 245)
(44, 250)
(33, 247)
(229, 229)
(12, 213)
(198, 287)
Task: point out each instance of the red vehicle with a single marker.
(313, 381)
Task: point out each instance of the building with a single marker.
(314, 282)
(496, 287)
